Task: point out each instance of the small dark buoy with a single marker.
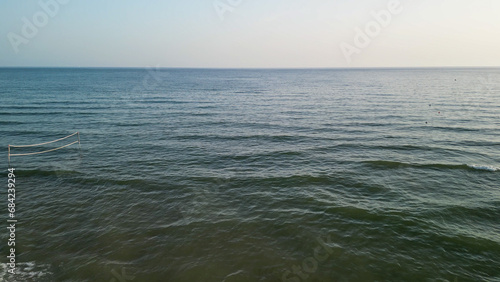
(430, 105)
(425, 122)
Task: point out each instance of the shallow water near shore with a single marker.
(255, 175)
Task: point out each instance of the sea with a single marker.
(251, 174)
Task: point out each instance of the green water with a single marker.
(255, 175)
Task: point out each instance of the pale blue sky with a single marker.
(256, 33)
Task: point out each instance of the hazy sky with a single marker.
(249, 33)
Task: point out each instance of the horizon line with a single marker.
(249, 68)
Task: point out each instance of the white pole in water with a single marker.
(79, 145)
(9, 155)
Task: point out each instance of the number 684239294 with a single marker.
(11, 193)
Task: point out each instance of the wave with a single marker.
(457, 129)
(11, 122)
(163, 102)
(263, 137)
(40, 172)
(394, 164)
(250, 92)
(484, 167)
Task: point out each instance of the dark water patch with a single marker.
(267, 138)
(39, 172)
(130, 124)
(289, 181)
(250, 92)
(62, 107)
(457, 129)
(470, 143)
(13, 122)
(35, 113)
(490, 213)
(249, 158)
(65, 103)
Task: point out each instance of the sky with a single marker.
(250, 33)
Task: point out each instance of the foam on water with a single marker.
(395, 164)
(484, 167)
(25, 271)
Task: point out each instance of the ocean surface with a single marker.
(253, 175)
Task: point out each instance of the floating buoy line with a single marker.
(41, 144)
